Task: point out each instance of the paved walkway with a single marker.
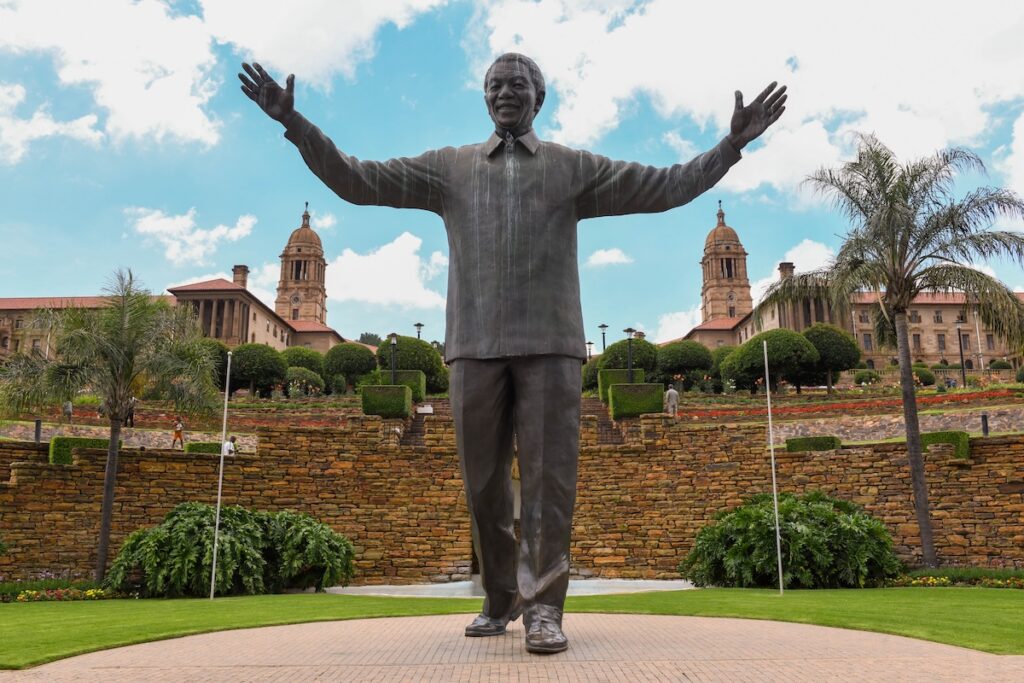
(603, 647)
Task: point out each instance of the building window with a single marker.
(275, 331)
(937, 317)
(18, 323)
(990, 342)
(915, 317)
(968, 364)
(17, 345)
(254, 317)
(295, 314)
(5, 343)
(35, 345)
(870, 363)
(863, 317)
(940, 339)
(917, 342)
(967, 342)
(253, 337)
(867, 342)
(732, 311)
(961, 317)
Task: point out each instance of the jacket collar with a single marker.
(529, 140)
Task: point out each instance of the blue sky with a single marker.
(125, 142)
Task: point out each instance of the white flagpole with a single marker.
(220, 476)
(771, 447)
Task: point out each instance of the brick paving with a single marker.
(604, 647)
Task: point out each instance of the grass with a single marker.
(980, 618)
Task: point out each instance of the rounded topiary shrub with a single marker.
(301, 357)
(349, 360)
(682, 357)
(1000, 365)
(590, 375)
(616, 356)
(826, 543)
(258, 366)
(925, 376)
(866, 377)
(302, 382)
(415, 354)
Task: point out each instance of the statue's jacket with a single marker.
(511, 208)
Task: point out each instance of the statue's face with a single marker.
(512, 99)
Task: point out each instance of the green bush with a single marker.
(1020, 374)
(303, 382)
(339, 384)
(302, 357)
(837, 350)
(257, 552)
(606, 378)
(645, 355)
(387, 400)
(924, 376)
(1000, 365)
(350, 360)
(939, 366)
(973, 381)
(218, 352)
(590, 375)
(630, 400)
(799, 444)
(86, 401)
(683, 359)
(61, 447)
(826, 543)
(414, 379)
(415, 354)
(789, 355)
(866, 377)
(203, 447)
(961, 441)
(919, 364)
(258, 366)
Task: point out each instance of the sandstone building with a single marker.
(935, 319)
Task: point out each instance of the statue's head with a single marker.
(514, 92)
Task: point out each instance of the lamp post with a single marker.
(629, 353)
(393, 338)
(418, 326)
(590, 350)
(960, 343)
(602, 327)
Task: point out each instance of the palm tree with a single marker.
(134, 342)
(911, 233)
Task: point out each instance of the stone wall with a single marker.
(639, 503)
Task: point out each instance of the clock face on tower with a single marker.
(296, 300)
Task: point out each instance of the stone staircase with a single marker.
(607, 432)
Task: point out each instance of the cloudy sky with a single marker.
(125, 141)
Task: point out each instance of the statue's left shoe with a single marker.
(544, 630)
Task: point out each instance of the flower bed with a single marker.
(64, 595)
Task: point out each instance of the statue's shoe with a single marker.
(545, 637)
(484, 625)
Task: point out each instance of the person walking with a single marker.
(672, 401)
(228, 449)
(179, 433)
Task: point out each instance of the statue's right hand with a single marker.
(278, 103)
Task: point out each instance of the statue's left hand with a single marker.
(750, 121)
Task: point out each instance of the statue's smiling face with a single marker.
(511, 96)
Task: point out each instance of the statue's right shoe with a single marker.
(484, 625)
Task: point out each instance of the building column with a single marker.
(201, 313)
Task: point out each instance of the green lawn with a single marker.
(985, 619)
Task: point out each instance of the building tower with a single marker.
(301, 292)
(726, 290)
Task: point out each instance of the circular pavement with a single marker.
(603, 647)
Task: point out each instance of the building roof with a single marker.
(721, 323)
(216, 285)
(721, 233)
(310, 326)
(925, 298)
(305, 234)
(34, 302)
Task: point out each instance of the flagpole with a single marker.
(771, 448)
(220, 475)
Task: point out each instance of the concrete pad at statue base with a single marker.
(473, 589)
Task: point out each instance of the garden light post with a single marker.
(960, 343)
(590, 350)
(602, 327)
(220, 475)
(629, 353)
(418, 326)
(393, 338)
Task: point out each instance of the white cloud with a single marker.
(806, 256)
(686, 59)
(148, 68)
(607, 257)
(392, 275)
(183, 241)
(1011, 165)
(200, 278)
(263, 282)
(16, 133)
(323, 222)
(685, 149)
(675, 325)
(314, 39)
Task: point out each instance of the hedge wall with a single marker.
(414, 379)
(203, 447)
(606, 378)
(798, 444)
(61, 446)
(630, 400)
(961, 441)
(387, 400)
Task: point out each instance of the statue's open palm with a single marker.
(748, 122)
(278, 103)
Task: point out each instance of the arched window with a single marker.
(871, 364)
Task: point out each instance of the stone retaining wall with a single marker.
(639, 503)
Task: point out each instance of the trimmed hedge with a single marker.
(61, 447)
(606, 378)
(387, 400)
(799, 444)
(203, 447)
(866, 377)
(925, 376)
(414, 379)
(961, 442)
(1000, 365)
(630, 400)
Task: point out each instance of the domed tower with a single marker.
(301, 292)
(726, 290)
